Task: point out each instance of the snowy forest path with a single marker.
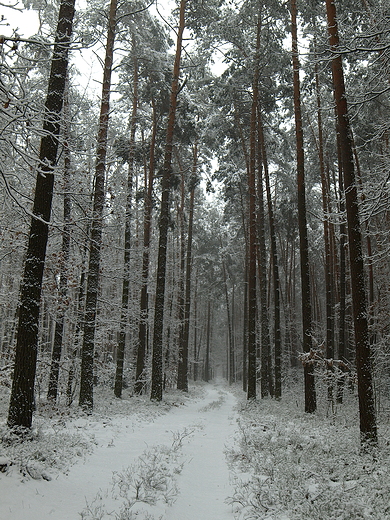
(204, 483)
(202, 427)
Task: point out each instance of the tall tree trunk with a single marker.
(127, 238)
(310, 393)
(252, 300)
(187, 302)
(266, 363)
(368, 428)
(342, 350)
(275, 267)
(181, 277)
(64, 260)
(329, 270)
(88, 348)
(22, 392)
(157, 357)
(143, 319)
(230, 357)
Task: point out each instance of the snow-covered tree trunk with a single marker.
(157, 356)
(368, 428)
(22, 394)
(310, 394)
(88, 348)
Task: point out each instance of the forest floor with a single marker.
(208, 455)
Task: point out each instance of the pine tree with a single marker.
(22, 394)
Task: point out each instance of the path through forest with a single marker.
(202, 428)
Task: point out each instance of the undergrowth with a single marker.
(288, 465)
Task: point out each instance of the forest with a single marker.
(193, 192)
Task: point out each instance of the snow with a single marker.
(203, 484)
(206, 455)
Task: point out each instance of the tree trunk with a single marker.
(329, 271)
(230, 356)
(342, 351)
(22, 393)
(64, 261)
(368, 428)
(143, 319)
(127, 239)
(252, 300)
(310, 393)
(88, 348)
(208, 333)
(275, 267)
(157, 357)
(187, 302)
(267, 387)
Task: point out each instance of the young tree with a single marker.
(22, 393)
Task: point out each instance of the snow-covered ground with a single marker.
(188, 441)
(208, 455)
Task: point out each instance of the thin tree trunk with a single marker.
(208, 333)
(143, 320)
(275, 267)
(252, 299)
(310, 393)
(127, 239)
(266, 385)
(88, 348)
(368, 428)
(230, 357)
(22, 392)
(187, 302)
(157, 357)
(342, 351)
(64, 261)
(329, 271)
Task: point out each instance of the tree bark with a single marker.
(368, 428)
(22, 393)
(208, 334)
(266, 385)
(64, 261)
(127, 239)
(187, 301)
(329, 270)
(310, 393)
(157, 356)
(275, 267)
(88, 347)
(252, 231)
(143, 319)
